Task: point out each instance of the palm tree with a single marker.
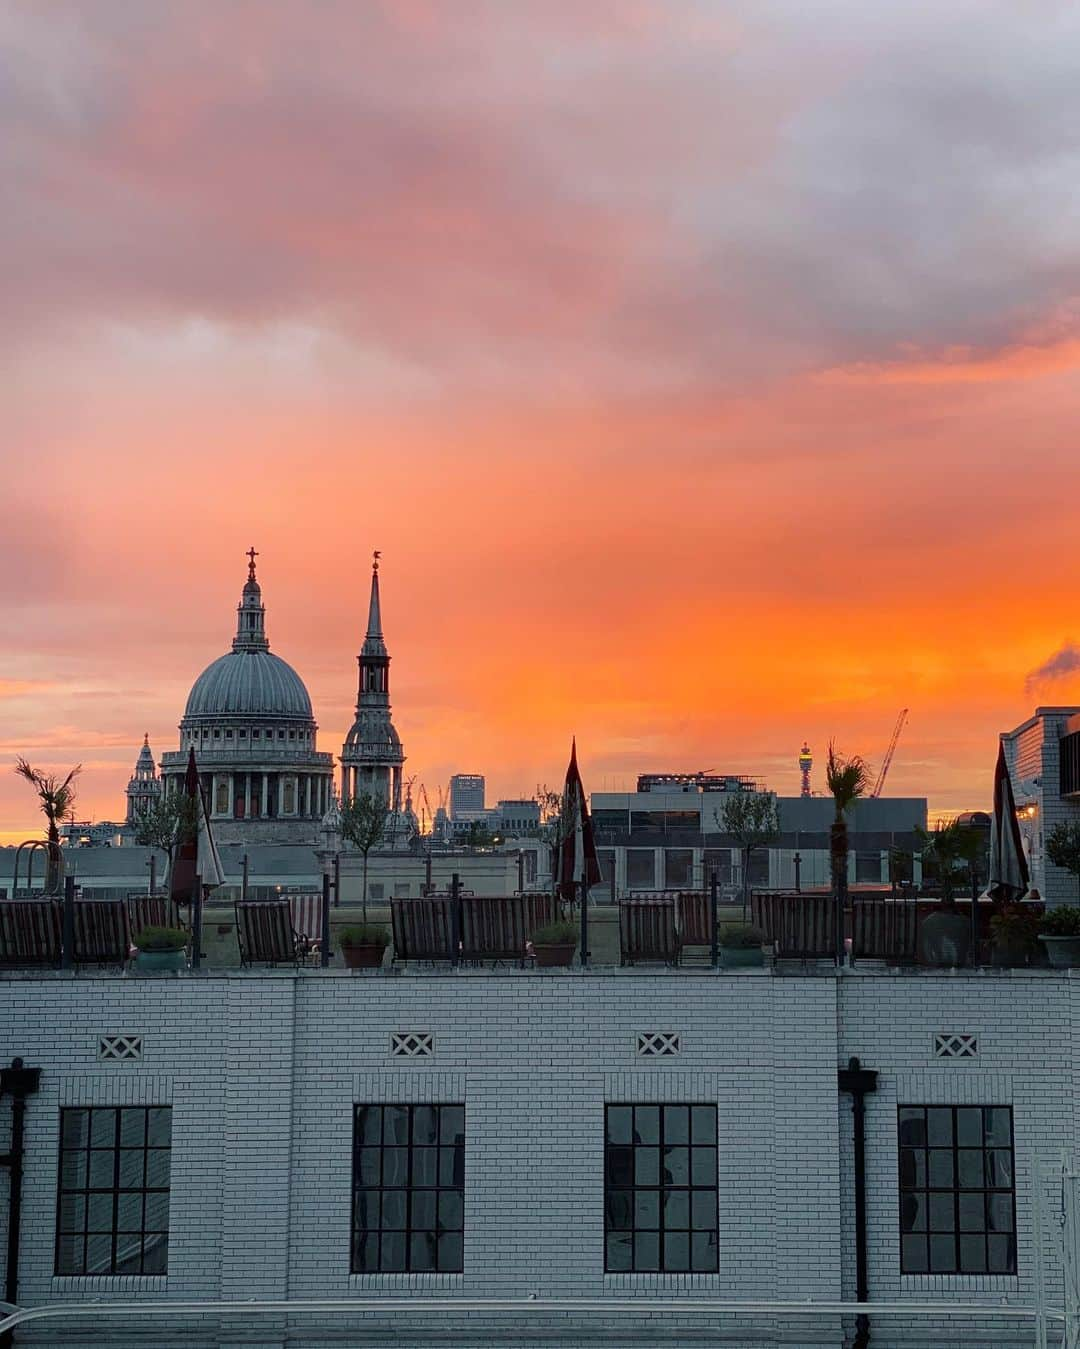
(56, 798)
(847, 779)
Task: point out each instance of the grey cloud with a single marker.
(1064, 662)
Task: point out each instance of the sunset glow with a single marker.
(708, 376)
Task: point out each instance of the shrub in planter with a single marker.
(1059, 932)
(740, 945)
(555, 943)
(1015, 935)
(161, 948)
(362, 946)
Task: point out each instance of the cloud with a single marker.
(1064, 662)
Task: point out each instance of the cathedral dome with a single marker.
(249, 683)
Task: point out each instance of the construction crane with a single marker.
(900, 720)
(427, 815)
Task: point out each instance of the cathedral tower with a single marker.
(372, 757)
(144, 789)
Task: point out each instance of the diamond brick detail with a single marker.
(412, 1044)
(658, 1043)
(950, 1045)
(121, 1047)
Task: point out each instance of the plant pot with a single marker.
(742, 957)
(945, 939)
(161, 960)
(366, 956)
(548, 957)
(1062, 951)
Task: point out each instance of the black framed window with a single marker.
(660, 1202)
(957, 1190)
(408, 1189)
(113, 1191)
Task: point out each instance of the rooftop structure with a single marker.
(466, 795)
(697, 782)
(1043, 756)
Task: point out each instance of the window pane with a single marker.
(942, 1212)
(157, 1168)
(969, 1127)
(677, 1208)
(972, 1213)
(425, 1125)
(646, 1166)
(703, 1166)
(156, 1213)
(103, 1128)
(912, 1168)
(646, 1252)
(75, 1129)
(1000, 1212)
(703, 1124)
(395, 1124)
(73, 1170)
(705, 1251)
(369, 1124)
(703, 1209)
(620, 1166)
(452, 1166)
(620, 1124)
(72, 1213)
(452, 1124)
(395, 1166)
(676, 1124)
(422, 1251)
(367, 1208)
(155, 1256)
(913, 1127)
(942, 1255)
(647, 1209)
(939, 1126)
(69, 1255)
(676, 1166)
(451, 1252)
(103, 1170)
(647, 1124)
(913, 1209)
(676, 1252)
(394, 1207)
(969, 1165)
(129, 1254)
(98, 1254)
(422, 1207)
(998, 1126)
(451, 1211)
(365, 1253)
(913, 1256)
(132, 1169)
(973, 1255)
(999, 1172)
(619, 1252)
(132, 1128)
(99, 1213)
(1001, 1252)
(941, 1169)
(159, 1127)
(392, 1251)
(425, 1168)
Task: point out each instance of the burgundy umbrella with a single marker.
(1009, 876)
(577, 850)
(196, 852)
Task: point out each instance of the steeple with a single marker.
(250, 613)
(374, 661)
(144, 789)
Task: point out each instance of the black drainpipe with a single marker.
(858, 1081)
(19, 1083)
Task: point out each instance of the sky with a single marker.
(707, 374)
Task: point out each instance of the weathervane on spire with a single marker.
(251, 556)
(375, 562)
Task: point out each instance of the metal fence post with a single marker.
(196, 923)
(455, 920)
(584, 920)
(67, 955)
(714, 934)
(324, 935)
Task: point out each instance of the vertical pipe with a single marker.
(859, 1081)
(714, 934)
(324, 935)
(18, 1082)
(337, 879)
(455, 920)
(584, 920)
(153, 874)
(196, 923)
(243, 878)
(67, 957)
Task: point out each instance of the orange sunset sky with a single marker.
(708, 375)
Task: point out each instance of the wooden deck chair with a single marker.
(493, 928)
(264, 933)
(799, 926)
(422, 928)
(884, 929)
(30, 932)
(307, 915)
(647, 931)
(102, 932)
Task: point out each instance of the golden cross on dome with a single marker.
(375, 562)
(251, 556)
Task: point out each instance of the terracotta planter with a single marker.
(548, 957)
(161, 960)
(1062, 952)
(368, 956)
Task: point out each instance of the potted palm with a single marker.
(1059, 932)
(741, 946)
(161, 948)
(363, 946)
(945, 935)
(1014, 934)
(555, 944)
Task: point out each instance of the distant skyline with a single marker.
(708, 375)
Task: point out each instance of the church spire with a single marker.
(250, 613)
(374, 659)
(374, 635)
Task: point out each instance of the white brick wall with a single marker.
(263, 1070)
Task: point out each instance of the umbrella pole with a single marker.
(974, 919)
(196, 923)
(585, 919)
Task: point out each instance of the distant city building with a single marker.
(466, 794)
(696, 782)
(1043, 755)
(654, 840)
(144, 788)
(249, 719)
(520, 817)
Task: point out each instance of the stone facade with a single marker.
(263, 1070)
